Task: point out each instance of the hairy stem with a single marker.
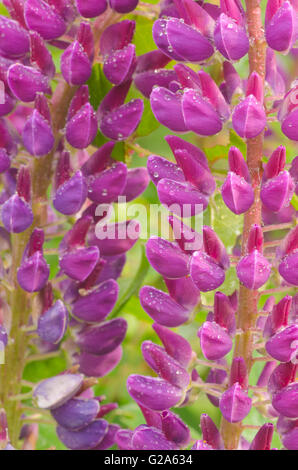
(248, 299)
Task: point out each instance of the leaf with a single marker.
(134, 286)
(47, 438)
(226, 224)
(98, 85)
(148, 123)
(237, 142)
(143, 39)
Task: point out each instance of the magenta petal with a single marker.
(288, 268)
(237, 193)
(174, 429)
(123, 439)
(110, 438)
(76, 413)
(55, 391)
(52, 324)
(16, 214)
(249, 118)
(162, 308)
(164, 365)
(167, 258)
(230, 38)
(136, 183)
(41, 17)
(286, 401)
(37, 135)
(116, 239)
(99, 366)
(283, 345)
(199, 115)
(75, 64)
(26, 82)
(104, 338)
(91, 8)
(124, 6)
(210, 433)
(253, 270)
(14, 40)
(263, 438)
(289, 125)
(159, 168)
(182, 199)
(183, 291)
(147, 80)
(150, 438)
(41, 57)
(166, 107)
(33, 273)
(108, 185)
(175, 345)
(215, 342)
(96, 306)
(122, 122)
(4, 160)
(85, 439)
(119, 65)
(80, 263)
(153, 393)
(290, 439)
(82, 128)
(161, 39)
(235, 404)
(277, 192)
(71, 195)
(205, 272)
(187, 42)
(280, 31)
(117, 36)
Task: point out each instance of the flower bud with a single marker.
(149, 438)
(26, 82)
(286, 401)
(263, 438)
(107, 186)
(119, 65)
(281, 377)
(210, 432)
(37, 134)
(279, 316)
(75, 64)
(230, 38)
(205, 272)
(81, 129)
(183, 291)
(215, 342)
(283, 345)
(235, 404)
(34, 272)
(116, 239)
(42, 17)
(183, 199)
(14, 40)
(167, 258)
(95, 306)
(52, 324)
(253, 270)
(109, 439)
(280, 26)
(91, 8)
(41, 56)
(162, 308)
(76, 413)
(160, 168)
(85, 439)
(174, 429)
(164, 365)
(149, 79)
(104, 338)
(153, 393)
(124, 439)
(237, 193)
(55, 391)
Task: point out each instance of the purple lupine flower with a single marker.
(215, 341)
(70, 191)
(289, 257)
(286, 401)
(249, 118)
(16, 212)
(281, 25)
(43, 18)
(103, 338)
(75, 63)
(55, 391)
(123, 6)
(277, 186)
(76, 413)
(263, 438)
(81, 127)
(278, 318)
(253, 270)
(37, 134)
(14, 39)
(211, 435)
(152, 392)
(149, 72)
(40, 55)
(33, 272)
(167, 258)
(237, 191)
(235, 404)
(93, 365)
(230, 38)
(281, 376)
(52, 324)
(86, 438)
(287, 113)
(25, 82)
(283, 345)
(175, 345)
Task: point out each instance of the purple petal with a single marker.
(16, 214)
(277, 192)
(96, 306)
(75, 64)
(119, 65)
(33, 273)
(26, 82)
(55, 391)
(175, 345)
(289, 125)
(288, 268)
(147, 80)
(124, 6)
(136, 183)
(183, 291)
(162, 308)
(108, 185)
(182, 199)
(286, 401)
(253, 270)
(159, 168)
(121, 123)
(91, 8)
(205, 272)
(235, 404)
(116, 239)
(215, 342)
(80, 263)
(199, 115)
(76, 413)
(153, 393)
(167, 258)
(71, 195)
(37, 135)
(237, 193)
(99, 366)
(280, 31)
(117, 36)
(104, 338)
(41, 17)
(230, 38)
(14, 40)
(81, 130)
(166, 107)
(283, 345)
(149, 438)
(87, 438)
(52, 324)
(249, 118)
